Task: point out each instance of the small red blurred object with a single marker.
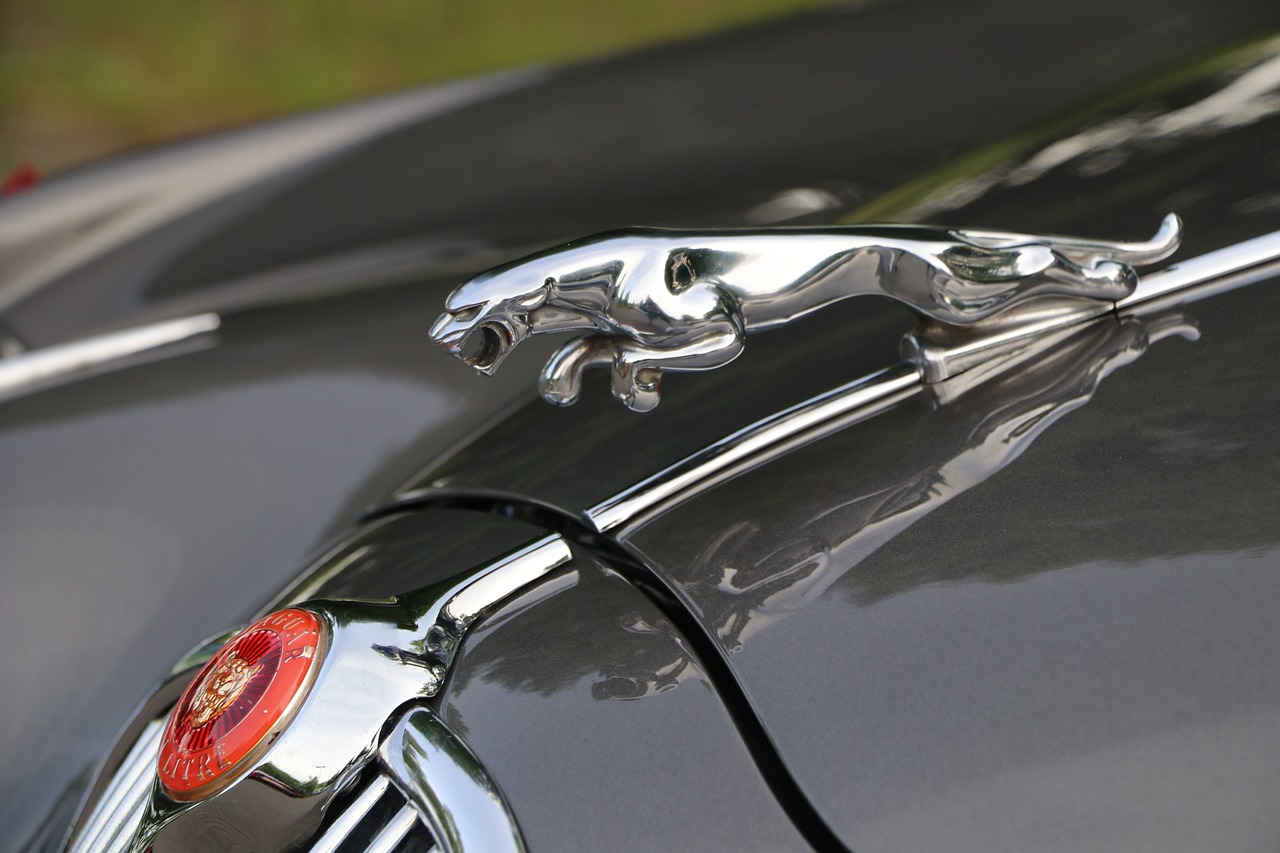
(20, 179)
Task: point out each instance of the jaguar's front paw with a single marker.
(561, 379)
(560, 390)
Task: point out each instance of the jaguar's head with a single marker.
(485, 318)
(563, 289)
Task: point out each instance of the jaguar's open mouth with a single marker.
(481, 345)
(485, 346)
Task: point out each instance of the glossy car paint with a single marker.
(155, 505)
(585, 701)
(1074, 652)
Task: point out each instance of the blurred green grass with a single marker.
(81, 79)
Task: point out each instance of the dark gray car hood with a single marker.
(152, 506)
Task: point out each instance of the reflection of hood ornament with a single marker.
(784, 559)
(654, 300)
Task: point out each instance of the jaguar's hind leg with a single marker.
(637, 370)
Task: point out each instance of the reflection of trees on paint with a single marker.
(599, 630)
(1185, 139)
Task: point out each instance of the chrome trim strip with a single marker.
(63, 361)
(119, 810)
(502, 579)
(943, 353)
(452, 613)
(449, 787)
(887, 388)
(341, 828)
(401, 823)
(448, 613)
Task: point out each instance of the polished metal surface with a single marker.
(1195, 277)
(1058, 373)
(426, 760)
(334, 836)
(656, 300)
(942, 352)
(42, 367)
(330, 739)
(203, 652)
(109, 827)
(380, 818)
(451, 612)
(806, 422)
(395, 831)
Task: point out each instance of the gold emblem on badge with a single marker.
(220, 689)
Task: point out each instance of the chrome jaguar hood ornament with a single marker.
(654, 300)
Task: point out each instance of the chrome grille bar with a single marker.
(341, 828)
(400, 825)
(119, 810)
(378, 820)
(449, 787)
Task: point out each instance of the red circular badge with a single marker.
(242, 698)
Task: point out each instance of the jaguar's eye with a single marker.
(681, 273)
(467, 314)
